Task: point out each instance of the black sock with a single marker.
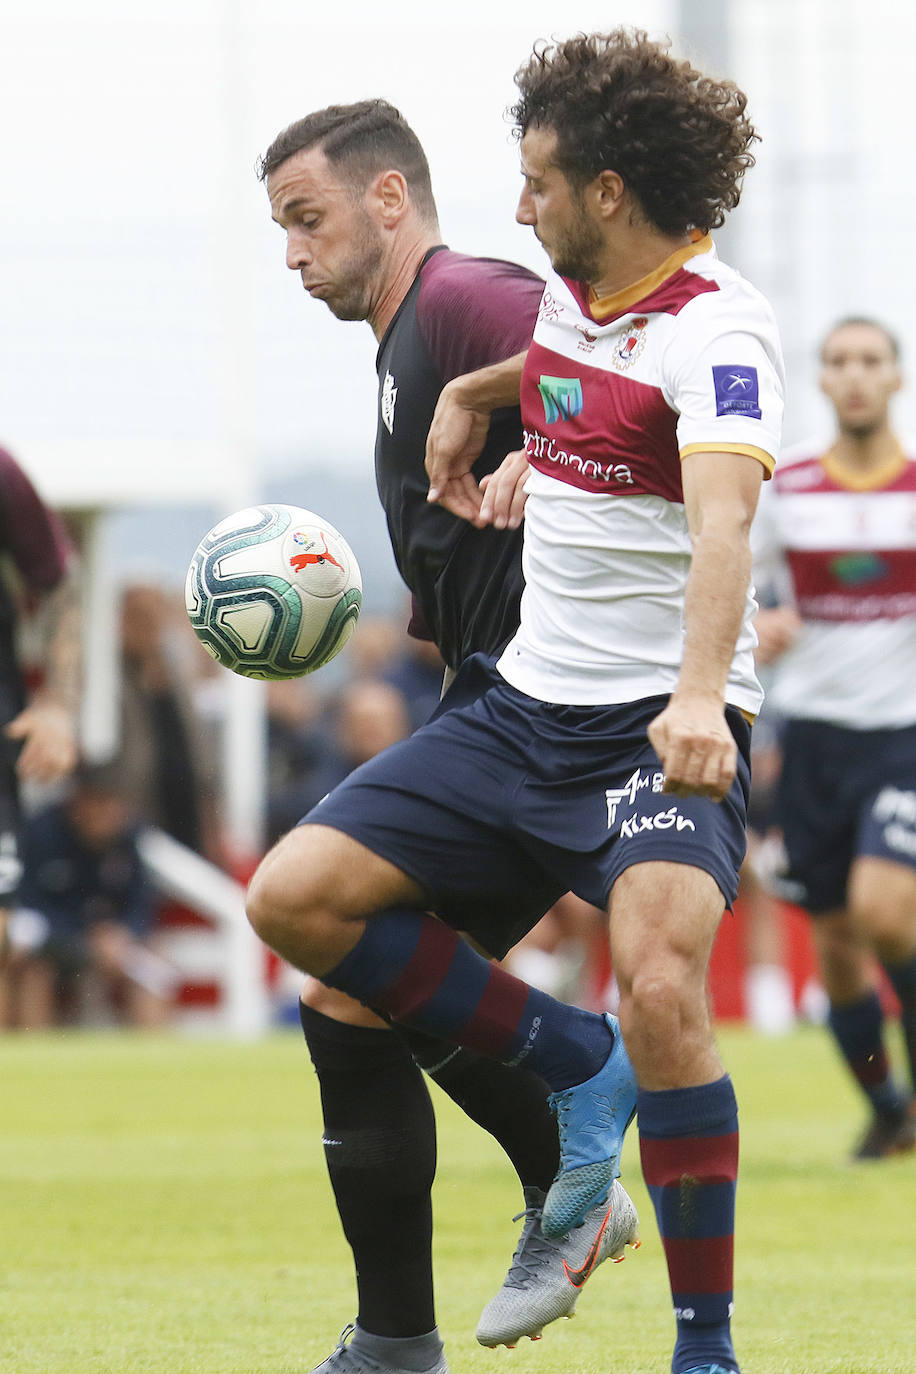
(859, 1031)
(510, 1103)
(380, 1148)
(903, 978)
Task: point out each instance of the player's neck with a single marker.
(632, 255)
(863, 453)
(401, 271)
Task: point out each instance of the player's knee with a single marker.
(279, 899)
(664, 1000)
(886, 925)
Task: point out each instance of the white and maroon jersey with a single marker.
(848, 551)
(614, 394)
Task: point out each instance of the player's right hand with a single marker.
(695, 746)
(456, 438)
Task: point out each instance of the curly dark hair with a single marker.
(619, 102)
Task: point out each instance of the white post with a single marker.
(101, 638)
(186, 877)
(245, 750)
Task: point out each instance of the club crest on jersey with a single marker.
(386, 401)
(737, 391)
(587, 342)
(629, 343)
(562, 397)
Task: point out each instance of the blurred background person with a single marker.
(769, 997)
(164, 768)
(364, 716)
(838, 525)
(81, 940)
(39, 662)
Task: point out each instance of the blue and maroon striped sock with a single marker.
(859, 1032)
(688, 1141)
(419, 971)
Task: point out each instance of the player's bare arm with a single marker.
(48, 725)
(691, 736)
(458, 430)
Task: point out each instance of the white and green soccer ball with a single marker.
(273, 592)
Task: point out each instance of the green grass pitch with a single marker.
(165, 1210)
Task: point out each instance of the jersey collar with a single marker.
(606, 306)
(882, 476)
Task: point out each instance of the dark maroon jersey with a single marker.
(32, 535)
(34, 539)
(460, 314)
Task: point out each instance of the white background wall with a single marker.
(143, 289)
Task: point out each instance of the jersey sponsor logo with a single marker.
(737, 391)
(541, 447)
(892, 804)
(562, 397)
(629, 343)
(635, 783)
(895, 812)
(386, 401)
(858, 569)
(662, 820)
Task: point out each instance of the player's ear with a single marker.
(609, 190)
(390, 196)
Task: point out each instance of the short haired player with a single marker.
(838, 530)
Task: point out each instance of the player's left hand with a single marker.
(696, 748)
(49, 750)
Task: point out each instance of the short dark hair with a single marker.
(359, 140)
(852, 320)
(619, 102)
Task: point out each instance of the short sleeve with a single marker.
(723, 375)
(473, 312)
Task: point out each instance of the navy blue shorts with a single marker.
(502, 803)
(844, 793)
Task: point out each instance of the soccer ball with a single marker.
(273, 592)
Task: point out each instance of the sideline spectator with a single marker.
(160, 758)
(38, 593)
(80, 941)
(368, 715)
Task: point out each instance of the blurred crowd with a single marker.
(83, 941)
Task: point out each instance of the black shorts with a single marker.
(844, 794)
(502, 803)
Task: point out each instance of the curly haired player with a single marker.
(605, 751)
